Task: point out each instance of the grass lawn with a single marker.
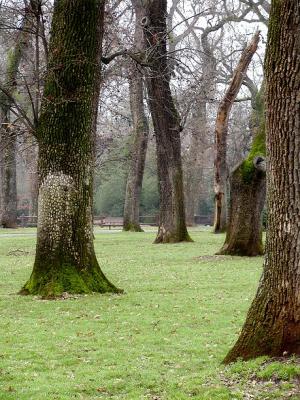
(163, 339)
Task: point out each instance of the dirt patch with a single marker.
(256, 387)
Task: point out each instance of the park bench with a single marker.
(102, 221)
(203, 219)
(27, 221)
(108, 221)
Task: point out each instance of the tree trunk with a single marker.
(221, 129)
(8, 172)
(65, 258)
(8, 193)
(8, 179)
(33, 180)
(204, 95)
(247, 195)
(138, 155)
(30, 158)
(194, 169)
(166, 122)
(247, 199)
(272, 325)
(140, 135)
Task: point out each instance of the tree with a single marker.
(247, 194)
(221, 128)
(272, 325)
(65, 259)
(140, 133)
(8, 135)
(166, 122)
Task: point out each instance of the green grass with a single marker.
(163, 339)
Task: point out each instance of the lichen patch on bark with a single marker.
(57, 205)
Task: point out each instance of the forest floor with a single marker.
(164, 339)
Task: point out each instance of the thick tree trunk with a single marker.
(140, 135)
(65, 258)
(172, 226)
(221, 129)
(8, 192)
(247, 199)
(272, 325)
(247, 195)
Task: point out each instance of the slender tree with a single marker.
(8, 135)
(166, 122)
(140, 132)
(194, 162)
(272, 325)
(247, 194)
(65, 259)
(221, 129)
(204, 95)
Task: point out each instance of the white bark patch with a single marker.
(56, 209)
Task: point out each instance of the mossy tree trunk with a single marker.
(166, 122)
(8, 142)
(221, 129)
(140, 134)
(65, 258)
(272, 325)
(247, 195)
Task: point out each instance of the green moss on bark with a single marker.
(180, 235)
(67, 278)
(132, 227)
(274, 29)
(258, 147)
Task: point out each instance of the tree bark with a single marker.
(140, 134)
(138, 155)
(166, 122)
(221, 129)
(272, 325)
(65, 259)
(33, 178)
(247, 194)
(8, 171)
(194, 170)
(8, 192)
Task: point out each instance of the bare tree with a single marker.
(221, 172)
(140, 131)
(167, 128)
(247, 193)
(8, 134)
